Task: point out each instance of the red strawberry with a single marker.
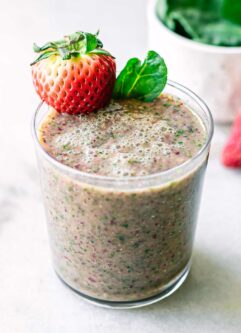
(231, 156)
(74, 75)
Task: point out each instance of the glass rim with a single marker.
(164, 176)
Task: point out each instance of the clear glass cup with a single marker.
(145, 254)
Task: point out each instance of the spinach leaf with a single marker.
(167, 6)
(142, 81)
(222, 33)
(231, 10)
(216, 22)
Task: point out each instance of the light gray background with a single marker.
(32, 300)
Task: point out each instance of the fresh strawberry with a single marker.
(231, 156)
(74, 75)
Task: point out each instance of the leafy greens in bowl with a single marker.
(215, 22)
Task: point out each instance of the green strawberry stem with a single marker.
(71, 46)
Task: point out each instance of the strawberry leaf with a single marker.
(71, 46)
(91, 42)
(47, 46)
(142, 81)
(44, 55)
(101, 51)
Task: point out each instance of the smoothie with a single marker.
(126, 138)
(113, 244)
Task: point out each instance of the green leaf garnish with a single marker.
(71, 46)
(142, 81)
(216, 22)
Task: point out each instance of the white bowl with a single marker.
(213, 72)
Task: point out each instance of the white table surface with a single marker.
(32, 299)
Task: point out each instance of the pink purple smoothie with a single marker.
(112, 244)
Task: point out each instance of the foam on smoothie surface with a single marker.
(127, 138)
